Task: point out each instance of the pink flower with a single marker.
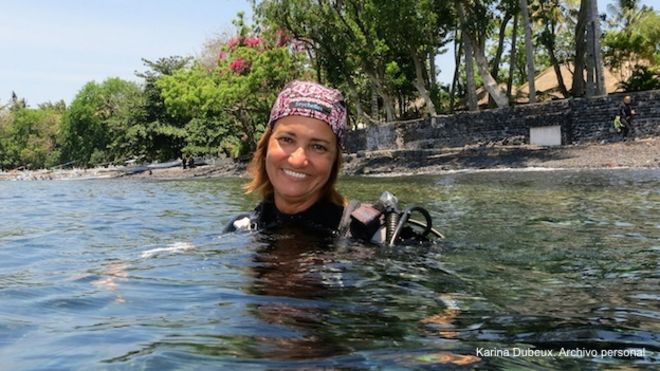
(239, 66)
(253, 41)
(222, 56)
(233, 42)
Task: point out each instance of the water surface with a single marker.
(135, 273)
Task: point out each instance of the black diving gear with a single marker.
(384, 224)
(381, 223)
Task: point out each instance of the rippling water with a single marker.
(120, 274)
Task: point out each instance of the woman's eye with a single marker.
(285, 140)
(319, 148)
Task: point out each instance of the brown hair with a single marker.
(260, 183)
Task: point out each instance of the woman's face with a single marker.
(301, 153)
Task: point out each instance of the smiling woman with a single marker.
(295, 166)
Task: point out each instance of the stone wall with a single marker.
(582, 121)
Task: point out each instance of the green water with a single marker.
(135, 273)
(548, 260)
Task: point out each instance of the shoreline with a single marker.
(639, 153)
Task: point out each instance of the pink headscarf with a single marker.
(310, 99)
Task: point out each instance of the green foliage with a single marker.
(28, 136)
(634, 38)
(155, 133)
(643, 78)
(96, 122)
(378, 52)
(234, 99)
(376, 42)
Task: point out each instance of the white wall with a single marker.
(545, 135)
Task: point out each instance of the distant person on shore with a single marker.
(626, 114)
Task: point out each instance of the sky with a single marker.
(49, 49)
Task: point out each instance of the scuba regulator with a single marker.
(385, 224)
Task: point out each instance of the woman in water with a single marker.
(295, 168)
(297, 161)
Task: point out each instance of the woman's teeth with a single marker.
(294, 174)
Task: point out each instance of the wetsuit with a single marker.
(322, 216)
(355, 221)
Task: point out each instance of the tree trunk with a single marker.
(580, 49)
(589, 60)
(489, 82)
(598, 53)
(529, 49)
(355, 98)
(374, 104)
(433, 82)
(482, 63)
(514, 34)
(495, 68)
(458, 49)
(557, 68)
(420, 85)
(388, 101)
(471, 88)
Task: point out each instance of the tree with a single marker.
(549, 14)
(468, 22)
(529, 51)
(597, 51)
(578, 88)
(228, 106)
(98, 114)
(28, 137)
(154, 133)
(633, 39)
(369, 46)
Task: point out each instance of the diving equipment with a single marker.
(383, 223)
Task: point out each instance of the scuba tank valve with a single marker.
(395, 219)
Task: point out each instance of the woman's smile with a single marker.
(300, 157)
(294, 174)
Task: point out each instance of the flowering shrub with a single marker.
(239, 66)
(252, 41)
(233, 42)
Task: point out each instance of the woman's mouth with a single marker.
(295, 174)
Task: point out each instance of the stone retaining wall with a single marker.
(582, 121)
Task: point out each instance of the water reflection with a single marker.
(135, 274)
(294, 269)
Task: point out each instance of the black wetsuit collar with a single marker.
(323, 214)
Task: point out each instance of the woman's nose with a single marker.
(298, 157)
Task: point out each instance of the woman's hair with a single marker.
(261, 184)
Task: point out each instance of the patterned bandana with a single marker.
(310, 99)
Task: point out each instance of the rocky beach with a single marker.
(639, 153)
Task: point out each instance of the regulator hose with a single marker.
(405, 218)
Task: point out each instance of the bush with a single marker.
(643, 78)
